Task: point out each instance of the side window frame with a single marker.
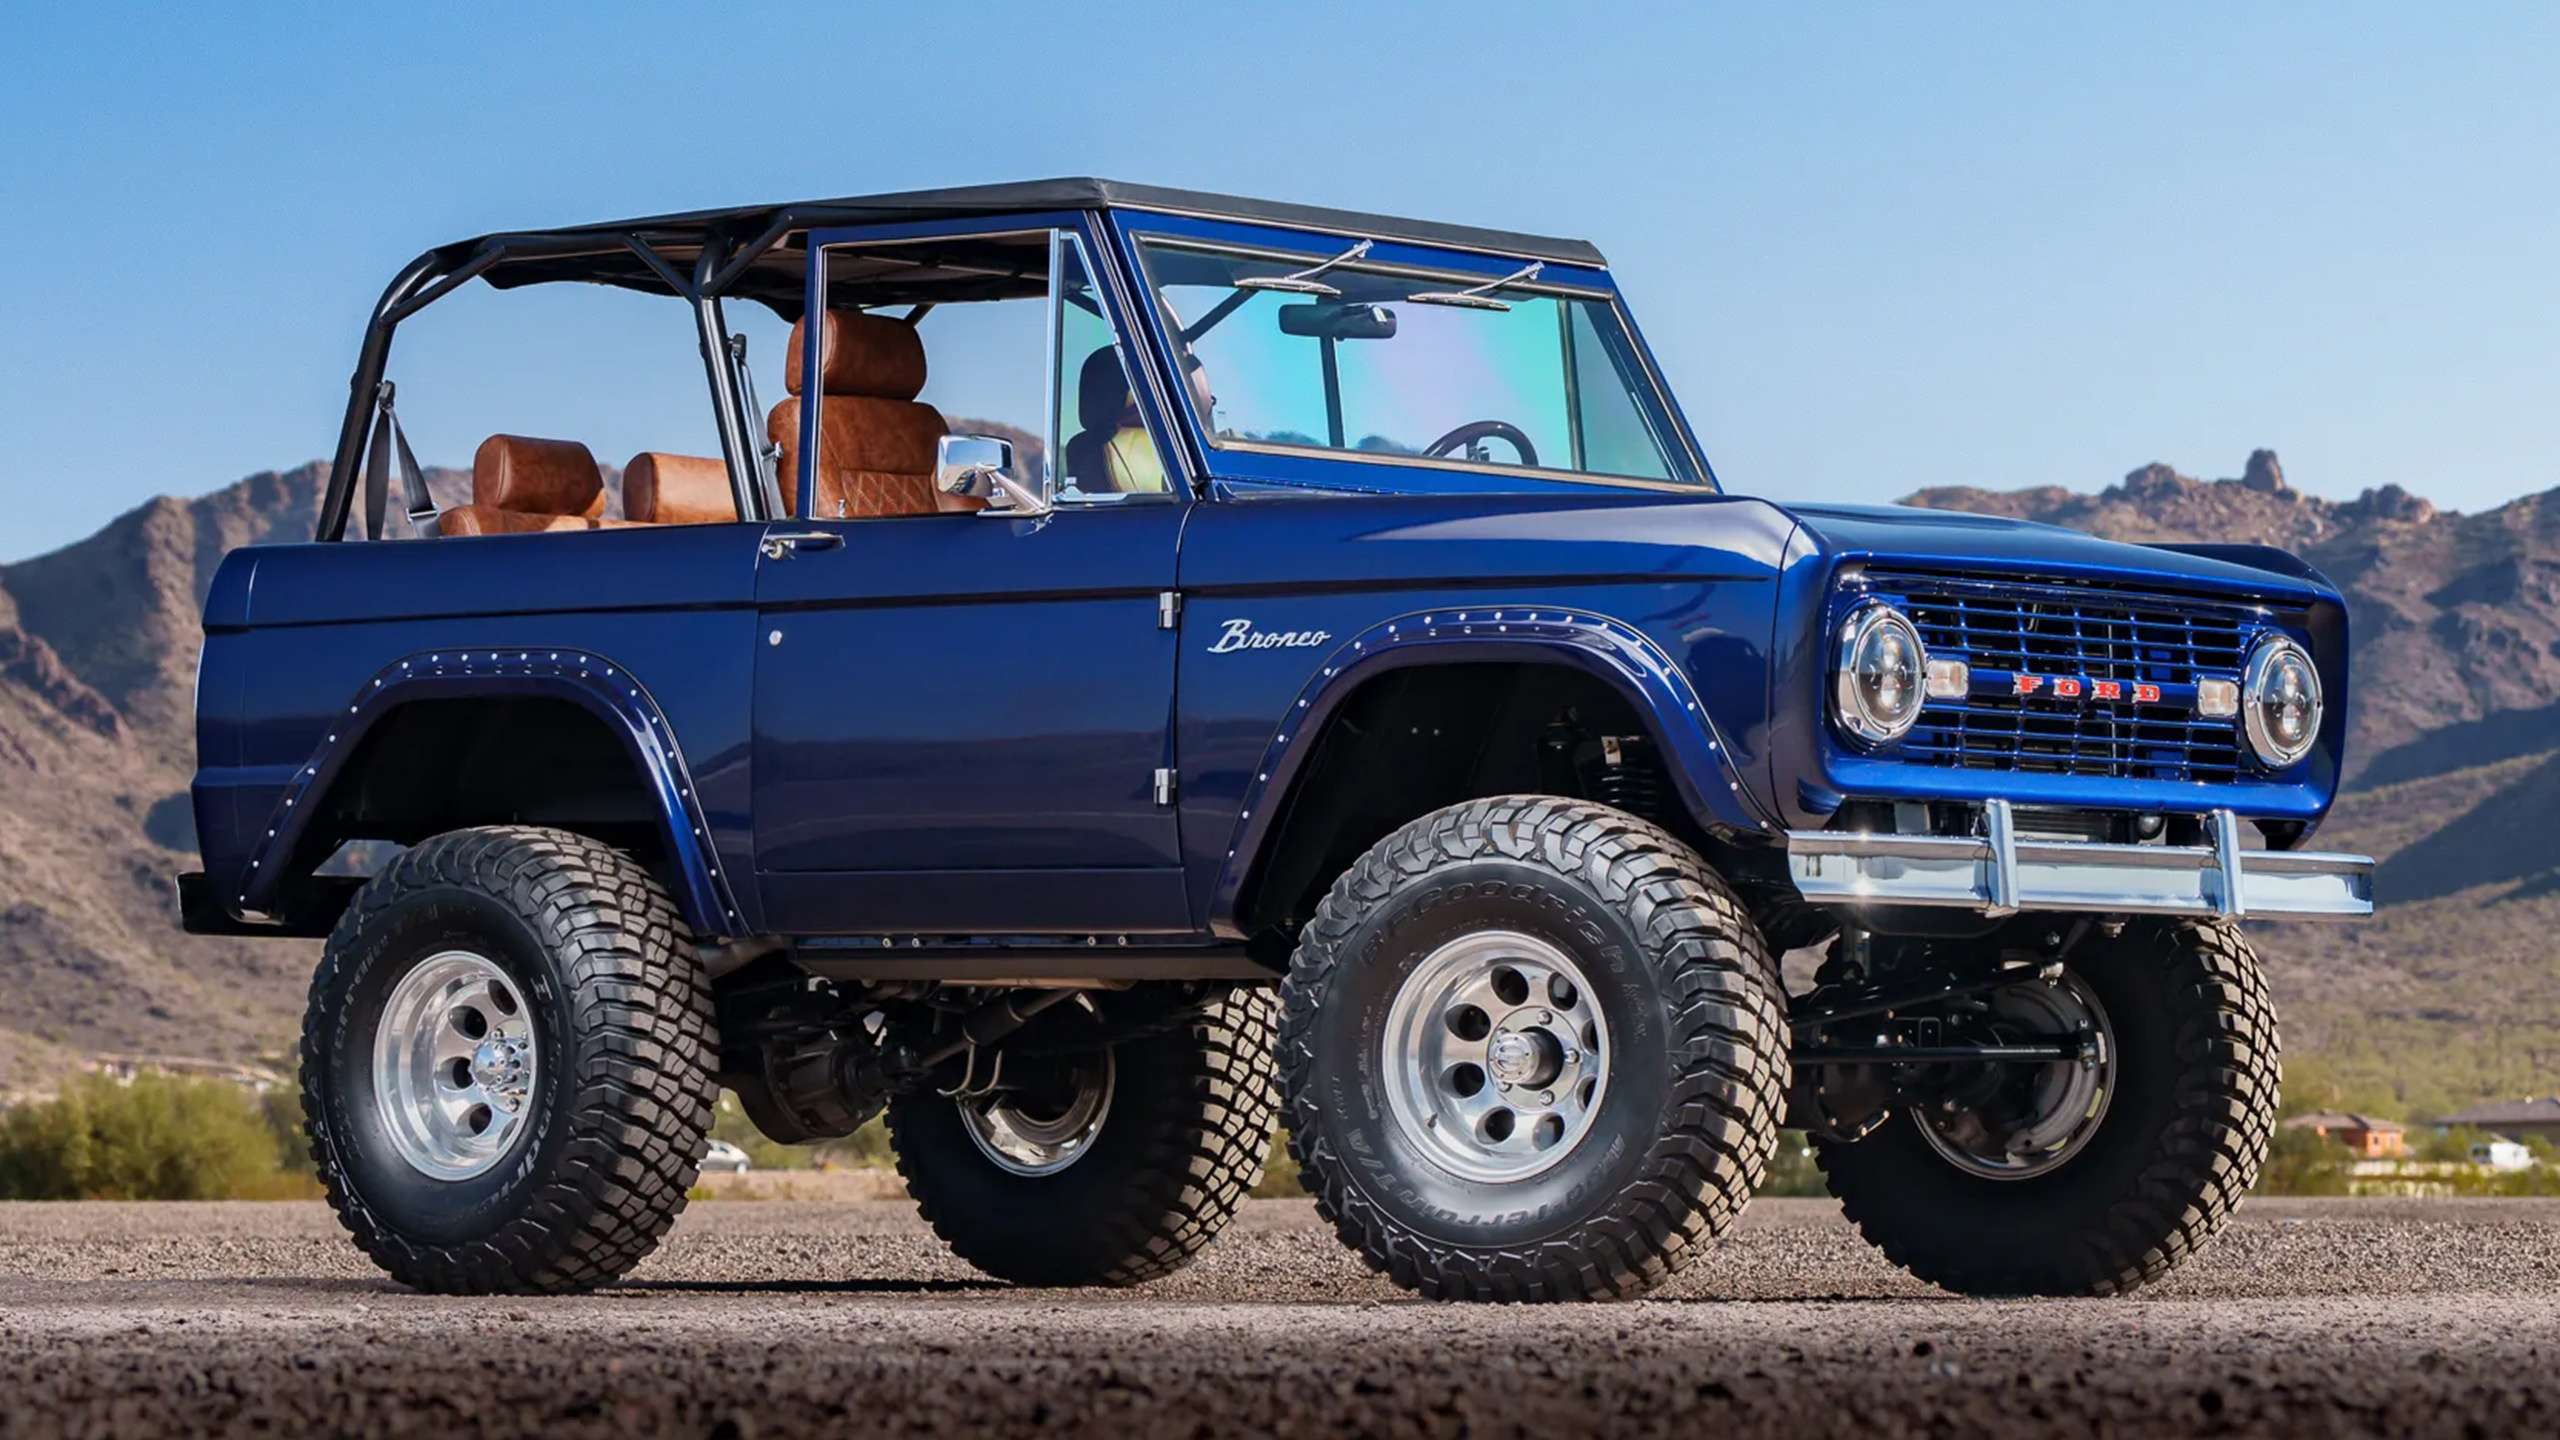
(1065, 228)
(1178, 477)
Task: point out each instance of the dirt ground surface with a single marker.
(2347, 1317)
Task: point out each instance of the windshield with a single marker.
(1328, 353)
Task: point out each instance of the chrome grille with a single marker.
(2005, 629)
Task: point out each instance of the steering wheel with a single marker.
(1475, 430)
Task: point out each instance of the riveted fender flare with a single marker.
(597, 684)
(1701, 763)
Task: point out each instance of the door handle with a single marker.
(784, 546)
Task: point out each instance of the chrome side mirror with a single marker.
(980, 467)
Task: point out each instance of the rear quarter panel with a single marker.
(295, 632)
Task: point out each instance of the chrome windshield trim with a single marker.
(1400, 270)
(1982, 874)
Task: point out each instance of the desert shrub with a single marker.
(864, 1149)
(2452, 1145)
(1279, 1172)
(2301, 1162)
(1791, 1169)
(2541, 1180)
(157, 1137)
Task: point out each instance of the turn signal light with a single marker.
(1953, 680)
(2219, 699)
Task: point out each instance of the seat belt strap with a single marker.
(768, 453)
(387, 437)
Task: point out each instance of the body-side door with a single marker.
(960, 718)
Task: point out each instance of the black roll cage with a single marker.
(434, 275)
(727, 246)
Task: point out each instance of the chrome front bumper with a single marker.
(1997, 873)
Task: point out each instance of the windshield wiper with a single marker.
(1304, 282)
(1478, 297)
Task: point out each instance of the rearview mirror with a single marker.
(980, 467)
(1333, 320)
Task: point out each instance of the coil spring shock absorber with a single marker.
(1631, 778)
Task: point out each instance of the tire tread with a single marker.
(2225, 1107)
(641, 1115)
(1728, 1035)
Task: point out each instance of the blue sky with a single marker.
(1876, 246)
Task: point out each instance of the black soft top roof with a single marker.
(600, 254)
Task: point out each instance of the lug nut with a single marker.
(1545, 1018)
(1546, 1097)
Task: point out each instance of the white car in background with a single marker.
(724, 1158)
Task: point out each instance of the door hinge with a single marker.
(1168, 609)
(1165, 784)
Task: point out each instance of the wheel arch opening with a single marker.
(1411, 740)
(435, 764)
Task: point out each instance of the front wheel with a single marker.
(1532, 1049)
(2095, 1175)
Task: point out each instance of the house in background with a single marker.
(2369, 1138)
(2501, 1155)
(2515, 1119)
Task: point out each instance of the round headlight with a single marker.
(1877, 684)
(2280, 701)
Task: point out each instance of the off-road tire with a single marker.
(2179, 1145)
(1179, 1150)
(621, 1111)
(1680, 1139)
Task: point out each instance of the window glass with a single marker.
(1599, 371)
(977, 309)
(986, 368)
(1512, 377)
(1105, 447)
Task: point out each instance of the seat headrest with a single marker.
(537, 477)
(663, 489)
(861, 354)
(1103, 401)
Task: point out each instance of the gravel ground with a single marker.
(2308, 1318)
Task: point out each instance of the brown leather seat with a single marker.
(664, 489)
(521, 486)
(877, 444)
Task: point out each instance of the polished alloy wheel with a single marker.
(455, 1065)
(1495, 1055)
(2016, 1122)
(1042, 1137)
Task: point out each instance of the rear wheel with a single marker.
(1533, 1050)
(2091, 1176)
(506, 1064)
(1101, 1164)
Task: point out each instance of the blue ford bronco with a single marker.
(1340, 696)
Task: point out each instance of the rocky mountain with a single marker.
(2453, 770)
(2455, 763)
(97, 659)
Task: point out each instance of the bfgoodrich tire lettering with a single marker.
(1683, 1131)
(621, 1108)
(2181, 1142)
(1178, 1149)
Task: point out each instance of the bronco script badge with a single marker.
(1234, 635)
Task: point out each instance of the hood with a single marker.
(1955, 540)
